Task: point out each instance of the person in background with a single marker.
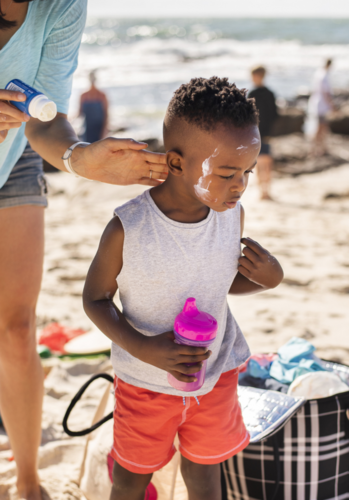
(320, 103)
(94, 107)
(266, 105)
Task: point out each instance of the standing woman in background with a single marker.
(94, 108)
(320, 104)
(39, 43)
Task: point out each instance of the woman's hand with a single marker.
(10, 117)
(179, 360)
(120, 161)
(259, 266)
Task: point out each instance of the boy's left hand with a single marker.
(259, 266)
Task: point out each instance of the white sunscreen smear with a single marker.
(244, 149)
(202, 187)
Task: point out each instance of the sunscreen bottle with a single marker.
(36, 105)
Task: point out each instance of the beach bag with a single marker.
(307, 458)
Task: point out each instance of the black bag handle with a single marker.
(76, 398)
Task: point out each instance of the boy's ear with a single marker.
(174, 163)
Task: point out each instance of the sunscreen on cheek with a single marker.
(202, 187)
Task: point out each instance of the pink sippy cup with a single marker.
(195, 328)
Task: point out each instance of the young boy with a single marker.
(266, 105)
(182, 239)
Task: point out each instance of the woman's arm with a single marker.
(106, 114)
(114, 161)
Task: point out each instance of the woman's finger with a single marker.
(11, 95)
(157, 158)
(158, 175)
(8, 126)
(3, 135)
(7, 118)
(145, 181)
(7, 109)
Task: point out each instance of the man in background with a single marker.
(320, 103)
(94, 107)
(266, 105)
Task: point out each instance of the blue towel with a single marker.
(296, 358)
(295, 350)
(286, 373)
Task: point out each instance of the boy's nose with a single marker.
(239, 185)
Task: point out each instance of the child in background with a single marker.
(178, 240)
(266, 105)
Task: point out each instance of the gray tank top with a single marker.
(164, 263)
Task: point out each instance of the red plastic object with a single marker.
(55, 336)
(150, 493)
(262, 359)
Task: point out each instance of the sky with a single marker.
(219, 8)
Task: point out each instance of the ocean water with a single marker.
(140, 62)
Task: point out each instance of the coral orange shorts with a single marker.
(146, 423)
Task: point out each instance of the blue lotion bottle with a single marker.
(37, 104)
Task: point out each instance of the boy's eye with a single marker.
(231, 176)
(223, 177)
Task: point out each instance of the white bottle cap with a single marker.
(42, 108)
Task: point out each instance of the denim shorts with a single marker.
(26, 184)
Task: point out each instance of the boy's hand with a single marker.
(161, 351)
(258, 265)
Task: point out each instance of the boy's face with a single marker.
(215, 165)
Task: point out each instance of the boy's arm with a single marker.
(258, 270)
(99, 290)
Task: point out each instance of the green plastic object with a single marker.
(43, 351)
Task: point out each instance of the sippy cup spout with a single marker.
(190, 307)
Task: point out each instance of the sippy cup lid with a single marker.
(194, 324)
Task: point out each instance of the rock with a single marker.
(338, 121)
(289, 121)
(292, 154)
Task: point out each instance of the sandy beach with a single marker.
(308, 233)
(304, 227)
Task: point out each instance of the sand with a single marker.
(307, 231)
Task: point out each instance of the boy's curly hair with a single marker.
(206, 102)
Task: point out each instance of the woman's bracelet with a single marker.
(67, 155)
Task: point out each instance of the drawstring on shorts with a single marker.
(195, 397)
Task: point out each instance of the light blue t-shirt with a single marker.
(44, 54)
